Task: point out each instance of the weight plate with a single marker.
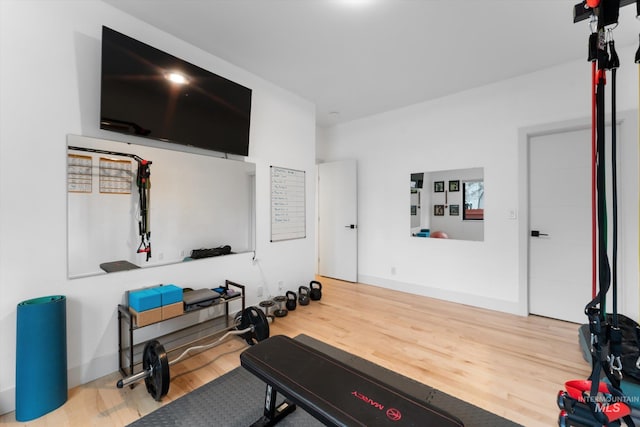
(261, 326)
(237, 320)
(155, 361)
(256, 317)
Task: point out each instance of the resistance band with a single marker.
(593, 56)
(143, 180)
(615, 347)
(637, 61)
(593, 402)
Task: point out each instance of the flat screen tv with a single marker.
(150, 93)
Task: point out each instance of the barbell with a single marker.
(251, 324)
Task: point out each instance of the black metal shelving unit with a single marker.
(130, 349)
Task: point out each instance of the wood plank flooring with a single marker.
(510, 365)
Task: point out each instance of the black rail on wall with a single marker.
(581, 12)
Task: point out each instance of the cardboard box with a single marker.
(144, 299)
(172, 310)
(169, 294)
(146, 317)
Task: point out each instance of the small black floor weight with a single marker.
(303, 295)
(251, 324)
(291, 300)
(315, 290)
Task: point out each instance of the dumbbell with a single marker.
(280, 310)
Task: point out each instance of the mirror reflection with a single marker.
(448, 204)
(192, 202)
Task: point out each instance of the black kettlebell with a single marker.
(315, 290)
(303, 295)
(291, 300)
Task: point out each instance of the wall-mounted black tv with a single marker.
(150, 93)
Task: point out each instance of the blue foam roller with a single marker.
(41, 356)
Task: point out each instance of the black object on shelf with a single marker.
(208, 253)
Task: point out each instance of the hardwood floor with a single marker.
(510, 365)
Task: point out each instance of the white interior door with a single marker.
(560, 210)
(338, 220)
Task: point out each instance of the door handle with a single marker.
(536, 233)
(352, 226)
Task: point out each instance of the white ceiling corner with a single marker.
(383, 54)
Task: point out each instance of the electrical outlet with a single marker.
(393, 271)
(280, 285)
(260, 291)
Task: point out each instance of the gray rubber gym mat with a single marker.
(236, 399)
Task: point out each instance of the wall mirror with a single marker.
(448, 204)
(195, 202)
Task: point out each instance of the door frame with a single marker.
(317, 222)
(626, 120)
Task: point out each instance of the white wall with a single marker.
(49, 81)
(476, 128)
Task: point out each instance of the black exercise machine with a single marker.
(594, 402)
(331, 391)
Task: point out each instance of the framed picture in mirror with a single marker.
(450, 200)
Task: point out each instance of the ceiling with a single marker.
(355, 58)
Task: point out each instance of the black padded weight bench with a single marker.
(331, 391)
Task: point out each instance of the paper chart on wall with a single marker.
(288, 219)
(115, 176)
(79, 173)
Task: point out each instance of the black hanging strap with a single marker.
(582, 401)
(143, 181)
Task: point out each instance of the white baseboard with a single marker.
(513, 307)
(7, 400)
(96, 368)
